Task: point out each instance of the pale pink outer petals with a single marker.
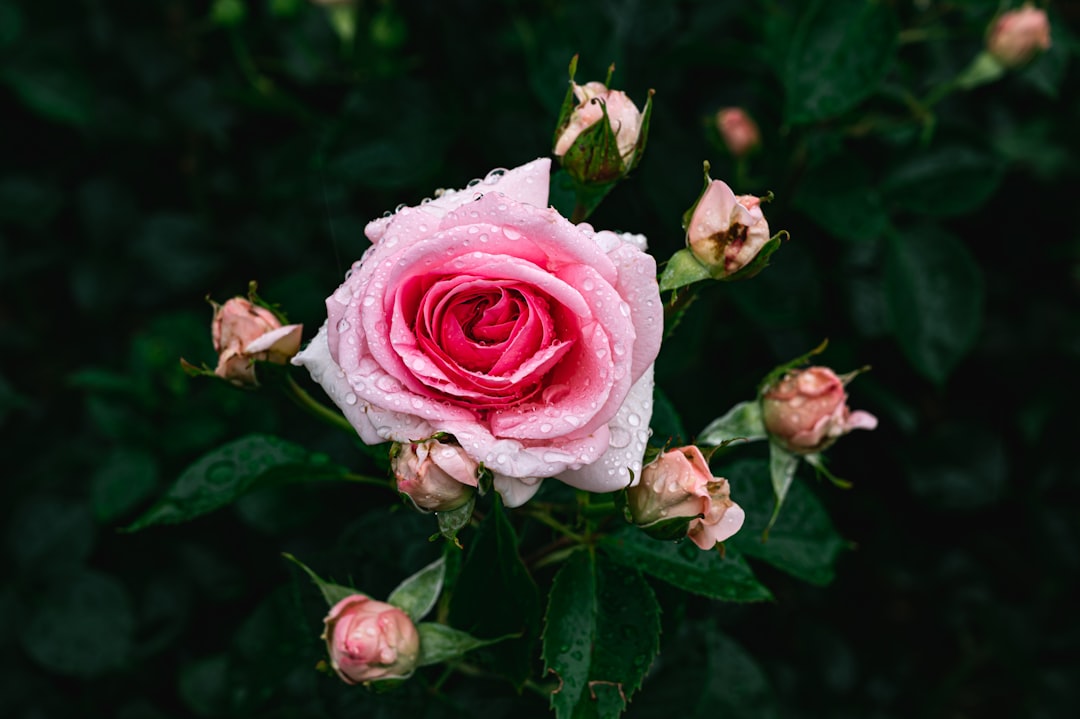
(279, 344)
(623, 116)
(374, 425)
(369, 640)
(527, 183)
(757, 235)
(620, 465)
(738, 130)
(516, 491)
(705, 534)
(1018, 35)
(716, 212)
(861, 419)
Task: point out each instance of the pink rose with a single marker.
(487, 315)
(437, 477)
(369, 640)
(679, 483)
(1018, 35)
(726, 232)
(738, 131)
(807, 411)
(243, 332)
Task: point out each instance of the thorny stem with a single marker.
(300, 396)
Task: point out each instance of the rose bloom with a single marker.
(679, 483)
(437, 477)
(1018, 35)
(487, 315)
(369, 640)
(738, 131)
(726, 231)
(243, 332)
(623, 115)
(807, 411)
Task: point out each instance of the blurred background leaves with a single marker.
(156, 153)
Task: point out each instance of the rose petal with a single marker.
(516, 491)
(629, 432)
(284, 341)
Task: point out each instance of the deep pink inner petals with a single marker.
(494, 341)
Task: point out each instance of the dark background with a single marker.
(154, 153)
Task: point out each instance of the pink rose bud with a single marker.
(244, 332)
(437, 477)
(1018, 35)
(807, 410)
(679, 484)
(369, 640)
(589, 165)
(726, 232)
(738, 131)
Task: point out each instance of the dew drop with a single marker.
(350, 399)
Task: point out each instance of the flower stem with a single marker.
(545, 518)
(300, 396)
(364, 479)
(580, 213)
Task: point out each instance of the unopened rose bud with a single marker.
(1018, 35)
(369, 641)
(244, 332)
(679, 484)
(738, 131)
(726, 232)
(437, 477)
(581, 144)
(806, 411)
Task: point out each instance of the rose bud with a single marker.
(437, 477)
(369, 640)
(738, 131)
(1018, 35)
(806, 411)
(244, 332)
(726, 232)
(679, 484)
(583, 153)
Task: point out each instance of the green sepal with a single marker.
(643, 136)
(817, 461)
(417, 594)
(451, 521)
(593, 161)
(984, 68)
(669, 530)
(273, 308)
(741, 422)
(782, 466)
(779, 371)
(568, 104)
(332, 593)
(440, 643)
(689, 214)
(682, 269)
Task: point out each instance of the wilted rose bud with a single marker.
(738, 131)
(806, 411)
(244, 332)
(679, 484)
(1018, 35)
(726, 232)
(369, 640)
(580, 140)
(437, 477)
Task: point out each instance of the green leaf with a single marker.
(840, 51)
(682, 269)
(601, 634)
(440, 643)
(125, 478)
(943, 181)
(495, 596)
(935, 292)
(60, 95)
(82, 625)
(782, 466)
(737, 686)
(417, 595)
(224, 474)
(743, 421)
(840, 197)
(802, 541)
(332, 593)
(686, 566)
